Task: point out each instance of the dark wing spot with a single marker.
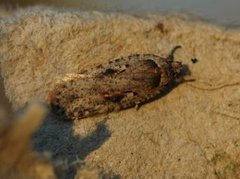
(155, 81)
(110, 72)
(73, 97)
(116, 97)
(127, 65)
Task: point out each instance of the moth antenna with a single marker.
(170, 57)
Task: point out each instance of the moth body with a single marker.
(119, 84)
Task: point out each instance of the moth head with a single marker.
(176, 68)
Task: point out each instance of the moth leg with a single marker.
(137, 106)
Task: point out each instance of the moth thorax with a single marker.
(176, 68)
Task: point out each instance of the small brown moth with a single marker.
(119, 84)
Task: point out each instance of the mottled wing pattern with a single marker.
(118, 84)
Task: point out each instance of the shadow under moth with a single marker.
(119, 84)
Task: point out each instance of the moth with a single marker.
(118, 84)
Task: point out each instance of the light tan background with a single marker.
(194, 131)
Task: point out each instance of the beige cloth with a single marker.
(193, 131)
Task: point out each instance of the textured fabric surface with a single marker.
(193, 131)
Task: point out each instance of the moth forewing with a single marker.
(118, 84)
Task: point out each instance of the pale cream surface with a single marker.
(193, 131)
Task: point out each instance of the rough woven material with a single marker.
(17, 158)
(193, 131)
